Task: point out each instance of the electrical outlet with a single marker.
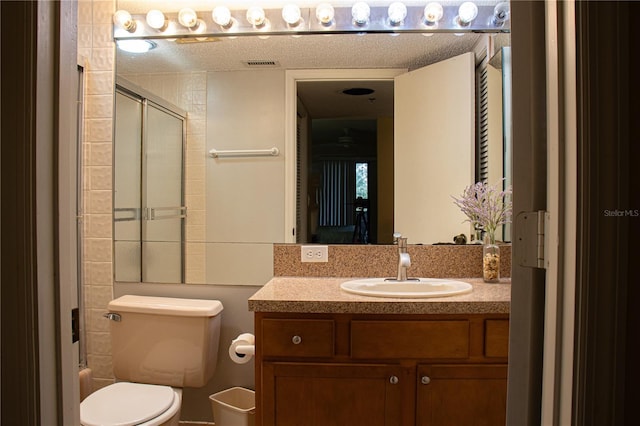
(314, 253)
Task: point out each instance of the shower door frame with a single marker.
(146, 99)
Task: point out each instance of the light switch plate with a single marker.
(314, 253)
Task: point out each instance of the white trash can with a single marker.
(234, 407)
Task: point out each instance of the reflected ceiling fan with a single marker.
(346, 140)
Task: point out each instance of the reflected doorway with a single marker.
(345, 161)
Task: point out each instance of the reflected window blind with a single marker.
(483, 125)
(338, 193)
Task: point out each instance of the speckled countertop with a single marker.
(323, 295)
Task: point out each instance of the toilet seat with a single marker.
(128, 404)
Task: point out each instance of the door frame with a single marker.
(560, 229)
(291, 104)
(40, 377)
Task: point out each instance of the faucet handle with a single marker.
(399, 240)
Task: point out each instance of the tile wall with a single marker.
(96, 52)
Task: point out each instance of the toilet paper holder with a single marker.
(242, 348)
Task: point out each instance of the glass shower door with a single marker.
(162, 247)
(149, 212)
(127, 192)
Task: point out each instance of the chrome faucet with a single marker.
(404, 261)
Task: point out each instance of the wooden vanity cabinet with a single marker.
(330, 394)
(461, 395)
(339, 369)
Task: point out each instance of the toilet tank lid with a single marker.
(166, 306)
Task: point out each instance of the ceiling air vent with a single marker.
(262, 64)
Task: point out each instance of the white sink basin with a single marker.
(413, 288)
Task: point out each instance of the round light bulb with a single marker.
(256, 16)
(467, 12)
(500, 14)
(188, 17)
(221, 15)
(325, 13)
(360, 12)
(433, 12)
(123, 19)
(200, 27)
(291, 14)
(155, 19)
(397, 12)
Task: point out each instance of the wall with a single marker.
(244, 196)
(385, 180)
(96, 53)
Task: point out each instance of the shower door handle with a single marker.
(159, 213)
(134, 214)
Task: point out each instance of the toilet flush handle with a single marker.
(113, 316)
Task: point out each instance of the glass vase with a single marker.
(491, 262)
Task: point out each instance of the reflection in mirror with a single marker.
(232, 92)
(494, 120)
(148, 196)
(339, 159)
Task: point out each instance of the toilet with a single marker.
(159, 345)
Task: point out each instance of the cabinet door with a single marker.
(461, 395)
(312, 394)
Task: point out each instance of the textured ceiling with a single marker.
(309, 51)
(406, 51)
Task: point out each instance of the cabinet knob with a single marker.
(425, 380)
(296, 340)
(394, 380)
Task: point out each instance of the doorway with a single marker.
(338, 146)
(298, 132)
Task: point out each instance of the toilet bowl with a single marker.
(158, 346)
(128, 404)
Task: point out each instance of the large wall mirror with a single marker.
(372, 134)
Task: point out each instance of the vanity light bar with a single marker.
(322, 19)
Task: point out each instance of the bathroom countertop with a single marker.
(324, 295)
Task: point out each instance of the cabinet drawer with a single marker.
(410, 339)
(496, 338)
(298, 338)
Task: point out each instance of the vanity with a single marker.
(328, 357)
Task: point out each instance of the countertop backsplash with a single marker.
(433, 261)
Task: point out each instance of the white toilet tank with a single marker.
(164, 341)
